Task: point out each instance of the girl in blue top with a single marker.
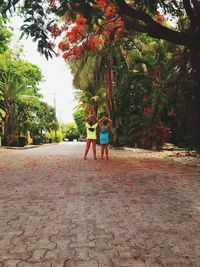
(104, 124)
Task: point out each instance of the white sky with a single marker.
(57, 76)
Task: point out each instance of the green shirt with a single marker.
(91, 131)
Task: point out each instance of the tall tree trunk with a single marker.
(110, 99)
(8, 126)
(6, 129)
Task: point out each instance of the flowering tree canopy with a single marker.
(136, 16)
(79, 36)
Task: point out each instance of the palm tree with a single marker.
(94, 78)
(18, 87)
(91, 101)
(89, 83)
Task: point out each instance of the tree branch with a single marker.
(144, 23)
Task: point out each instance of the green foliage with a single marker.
(71, 131)
(142, 102)
(19, 91)
(88, 80)
(21, 107)
(87, 73)
(185, 95)
(42, 118)
(2, 114)
(5, 36)
(79, 117)
(56, 136)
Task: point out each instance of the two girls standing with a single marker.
(91, 126)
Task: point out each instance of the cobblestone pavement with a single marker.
(58, 210)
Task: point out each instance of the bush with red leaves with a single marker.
(155, 137)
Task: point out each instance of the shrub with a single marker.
(56, 137)
(71, 131)
(37, 140)
(155, 137)
(23, 141)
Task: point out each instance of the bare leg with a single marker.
(94, 148)
(88, 142)
(102, 151)
(106, 150)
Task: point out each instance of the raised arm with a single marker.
(96, 119)
(91, 116)
(108, 119)
(105, 119)
(88, 117)
(100, 122)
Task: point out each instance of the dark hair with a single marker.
(91, 121)
(105, 122)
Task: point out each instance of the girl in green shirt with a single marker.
(91, 127)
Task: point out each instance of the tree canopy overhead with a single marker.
(141, 16)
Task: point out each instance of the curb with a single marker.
(20, 148)
(26, 147)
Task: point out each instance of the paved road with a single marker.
(57, 209)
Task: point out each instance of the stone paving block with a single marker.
(104, 257)
(18, 253)
(124, 252)
(176, 264)
(26, 239)
(101, 244)
(100, 233)
(46, 229)
(81, 254)
(37, 255)
(90, 244)
(142, 253)
(42, 264)
(91, 263)
(5, 243)
(60, 255)
(43, 243)
(11, 263)
(127, 263)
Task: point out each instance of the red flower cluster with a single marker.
(147, 108)
(63, 46)
(76, 38)
(55, 30)
(90, 44)
(144, 100)
(147, 111)
(101, 3)
(81, 21)
(173, 113)
(75, 34)
(110, 12)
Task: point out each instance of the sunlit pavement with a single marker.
(57, 209)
